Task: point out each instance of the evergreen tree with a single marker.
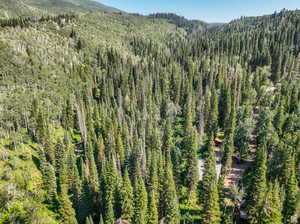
(93, 173)
(59, 152)
(101, 220)
(66, 210)
(89, 220)
(85, 205)
(168, 142)
(272, 208)
(170, 202)
(212, 126)
(40, 128)
(126, 198)
(208, 190)
(152, 217)
(74, 180)
(291, 191)
(191, 169)
(140, 198)
(257, 191)
(109, 176)
(109, 213)
(279, 119)
(50, 184)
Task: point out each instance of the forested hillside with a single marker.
(117, 118)
(38, 8)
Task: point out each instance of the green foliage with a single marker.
(140, 199)
(257, 192)
(208, 190)
(126, 198)
(170, 201)
(272, 207)
(99, 113)
(38, 8)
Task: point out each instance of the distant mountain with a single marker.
(12, 8)
(191, 26)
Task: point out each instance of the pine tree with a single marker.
(152, 217)
(93, 173)
(68, 116)
(66, 210)
(161, 183)
(272, 208)
(49, 149)
(208, 190)
(190, 154)
(85, 205)
(101, 220)
(59, 152)
(257, 188)
(109, 178)
(212, 126)
(126, 198)
(89, 220)
(225, 107)
(243, 137)
(228, 153)
(40, 128)
(279, 119)
(291, 191)
(277, 67)
(153, 184)
(230, 122)
(74, 180)
(170, 202)
(109, 212)
(168, 142)
(140, 198)
(120, 150)
(50, 184)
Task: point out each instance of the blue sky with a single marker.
(206, 10)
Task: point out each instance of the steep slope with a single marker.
(47, 59)
(13, 8)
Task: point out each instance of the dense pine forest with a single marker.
(108, 117)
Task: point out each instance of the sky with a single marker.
(206, 10)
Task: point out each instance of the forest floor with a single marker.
(201, 163)
(239, 166)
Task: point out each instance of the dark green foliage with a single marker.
(212, 126)
(139, 199)
(50, 183)
(190, 154)
(170, 212)
(152, 214)
(99, 112)
(126, 198)
(258, 190)
(208, 190)
(272, 208)
(291, 191)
